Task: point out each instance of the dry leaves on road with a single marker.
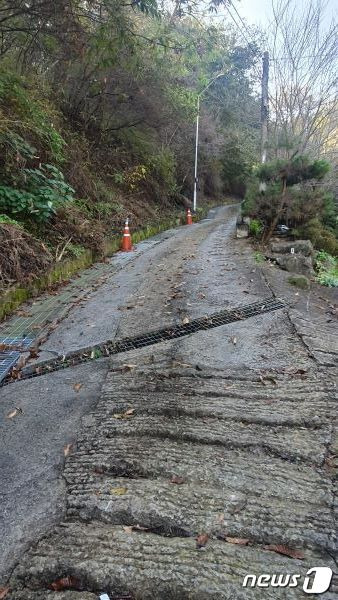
(266, 378)
(13, 413)
(285, 550)
(201, 541)
(118, 491)
(239, 541)
(127, 367)
(65, 583)
(132, 528)
(126, 415)
(77, 386)
(67, 449)
(176, 479)
(33, 353)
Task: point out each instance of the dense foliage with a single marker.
(105, 93)
(293, 192)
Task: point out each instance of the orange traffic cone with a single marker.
(189, 217)
(126, 244)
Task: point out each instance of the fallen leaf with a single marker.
(77, 386)
(139, 528)
(14, 413)
(65, 583)
(16, 373)
(185, 321)
(67, 449)
(128, 367)
(265, 378)
(126, 415)
(22, 313)
(127, 529)
(118, 491)
(129, 412)
(280, 549)
(300, 372)
(53, 325)
(234, 340)
(239, 541)
(202, 540)
(272, 379)
(98, 471)
(33, 353)
(4, 592)
(176, 479)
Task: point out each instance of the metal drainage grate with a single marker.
(8, 358)
(110, 348)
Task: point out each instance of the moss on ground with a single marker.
(299, 281)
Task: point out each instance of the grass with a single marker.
(259, 257)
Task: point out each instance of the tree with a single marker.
(279, 185)
(303, 96)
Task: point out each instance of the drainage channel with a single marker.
(110, 348)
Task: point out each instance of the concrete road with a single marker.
(227, 433)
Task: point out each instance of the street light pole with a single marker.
(197, 137)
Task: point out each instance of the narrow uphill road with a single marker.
(228, 433)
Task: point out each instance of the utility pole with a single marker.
(196, 154)
(265, 105)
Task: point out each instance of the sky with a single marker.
(258, 12)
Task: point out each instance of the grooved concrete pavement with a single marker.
(229, 432)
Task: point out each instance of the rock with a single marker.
(242, 231)
(293, 263)
(242, 227)
(303, 247)
(299, 281)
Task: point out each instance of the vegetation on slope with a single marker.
(97, 116)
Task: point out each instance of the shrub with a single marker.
(256, 227)
(259, 257)
(327, 268)
(30, 116)
(321, 237)
(42, 191)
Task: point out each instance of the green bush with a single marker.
(30, 115)
(327, 269)
(321, 237)
(42, 191)
(256, 227)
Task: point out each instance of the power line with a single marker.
(246, 39)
